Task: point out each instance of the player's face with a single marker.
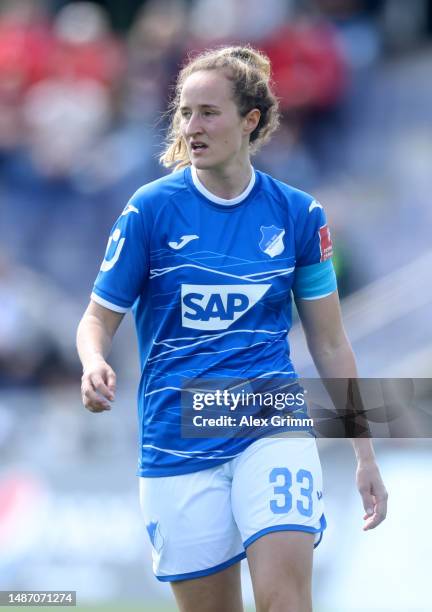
(214, 132)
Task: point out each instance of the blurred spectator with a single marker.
(25, 46)
(85, 48)
(308, 64)
(241, 20)
(66, 113)
(404, 24)
(358, 28)
(63, 119)
(311, 76)
(346, 9)
(58, 82)
(156, 45)
(36, 329)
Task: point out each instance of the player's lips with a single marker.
(198, 147)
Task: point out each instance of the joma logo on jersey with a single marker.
(213, 307)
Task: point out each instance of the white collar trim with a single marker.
(214, 198)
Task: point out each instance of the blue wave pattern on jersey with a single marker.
(210, 287)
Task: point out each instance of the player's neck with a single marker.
(225, 182)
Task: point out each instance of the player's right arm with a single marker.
(119, 283)
(94, 337)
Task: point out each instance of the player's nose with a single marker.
(194, 125)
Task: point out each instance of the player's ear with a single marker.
(251, 120)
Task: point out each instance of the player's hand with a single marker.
(98, 385)
(373, 493)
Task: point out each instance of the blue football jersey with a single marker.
(210, 282)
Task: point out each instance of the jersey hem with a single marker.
(188, 469)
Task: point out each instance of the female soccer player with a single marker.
(208, 256)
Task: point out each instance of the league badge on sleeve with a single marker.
(326, 246)
(271, 242)
(113, 250)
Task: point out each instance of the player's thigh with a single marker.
(220, 592)
(280, 565)
(277, 504)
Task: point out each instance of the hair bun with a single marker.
(250, 56)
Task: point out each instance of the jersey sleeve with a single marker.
(314, 276)
(125, 265)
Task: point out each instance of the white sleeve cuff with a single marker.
(316, 297)
(96, 298)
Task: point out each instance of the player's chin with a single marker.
(201, 164)
(210, 163)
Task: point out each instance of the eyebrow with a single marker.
(185, 107)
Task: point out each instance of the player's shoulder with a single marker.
(297, 201)
(158, 191)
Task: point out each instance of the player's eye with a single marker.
(185, 114)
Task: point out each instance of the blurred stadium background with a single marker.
(83, 90)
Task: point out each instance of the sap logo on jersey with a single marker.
(213, 307)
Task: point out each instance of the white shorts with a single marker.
(203, 522)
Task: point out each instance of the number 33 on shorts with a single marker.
(279, 488)
(285, 490)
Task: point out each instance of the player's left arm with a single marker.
(334, 358)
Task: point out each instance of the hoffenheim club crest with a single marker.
(271, 242)
(155, 534)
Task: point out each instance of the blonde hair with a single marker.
(249, 71)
